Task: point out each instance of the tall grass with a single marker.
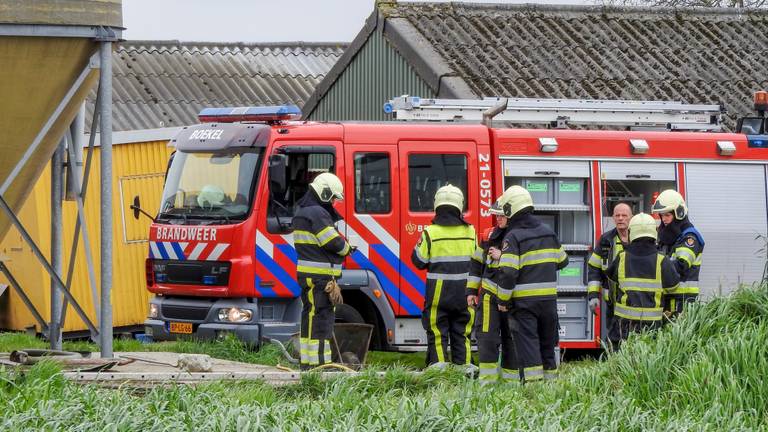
(703, 373)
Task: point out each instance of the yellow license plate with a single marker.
(180, 327)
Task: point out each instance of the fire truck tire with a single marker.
(347, 314)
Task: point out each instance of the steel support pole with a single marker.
(57, 191)
(83, 189)
(105, 129)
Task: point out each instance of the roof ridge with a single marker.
(287, 44)
(604, 9)
(205, 74)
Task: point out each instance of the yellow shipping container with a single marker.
(138, 169)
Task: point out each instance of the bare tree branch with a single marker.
(739, 4)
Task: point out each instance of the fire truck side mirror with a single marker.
(278, 164)
(136, 207)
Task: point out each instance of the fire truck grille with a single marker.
(196, 313)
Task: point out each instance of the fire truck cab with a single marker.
(221, 258)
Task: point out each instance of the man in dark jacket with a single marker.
(445, 250)
(321, 250)
(531, 256)
(611, 243)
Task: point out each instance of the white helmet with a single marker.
(495, 208)
(449, 195)
(514, 200)
(642, 225)
(210, 195)
(670, 201)
(328, 186)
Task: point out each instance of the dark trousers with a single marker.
(494, 339)
(536, 336)
(448, 322)
(627, 327)
(317, 318)
(613, 335)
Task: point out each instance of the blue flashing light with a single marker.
(209, 279)
(388, 108)
(757, 141)
(273, 113)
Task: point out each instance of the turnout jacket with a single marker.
(642, 276)
(607, 249)
(531, 255)
(685, 252)
(320, 248)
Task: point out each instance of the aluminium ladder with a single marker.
(635, 114)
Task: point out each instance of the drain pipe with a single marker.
(490, 113)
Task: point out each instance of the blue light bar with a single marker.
(273, 113)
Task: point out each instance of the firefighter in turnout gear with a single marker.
(445, 250)
(684, 244)
(320, 250)
(642, 275)
(492, 326)
(526, 282)
(608, 248)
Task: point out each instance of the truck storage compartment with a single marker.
(572, 307)
(540, 188)
(570, 191)
(573, 274)
(575, 329)
(575, 228)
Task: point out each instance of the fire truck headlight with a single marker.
(154, 310)
(235, 315)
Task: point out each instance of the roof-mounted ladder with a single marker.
(558, 113)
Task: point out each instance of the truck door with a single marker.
(424, 168)
(373, 211)
(275, 255)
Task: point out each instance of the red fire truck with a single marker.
(221, 258)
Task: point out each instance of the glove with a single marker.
(334, 292)
(593, 303)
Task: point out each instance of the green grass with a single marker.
(704, 373)
(229, 348)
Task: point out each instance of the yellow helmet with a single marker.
(210, 195)
(449, 195)
(670, 201)
(642, 225)
(515, 199)
(495, 208)
(328, 186)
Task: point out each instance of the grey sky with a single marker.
(256, 20)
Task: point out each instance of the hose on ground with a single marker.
(284, 351)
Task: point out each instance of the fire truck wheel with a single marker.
(347, 314)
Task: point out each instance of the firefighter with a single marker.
(682, 242)
(526, 282)
(492, 326)
(321, 251)
(611, 243)
(445, 250)
(642, 275)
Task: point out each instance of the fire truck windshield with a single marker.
(214, 187)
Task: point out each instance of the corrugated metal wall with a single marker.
(377, 74)
(138, 169)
